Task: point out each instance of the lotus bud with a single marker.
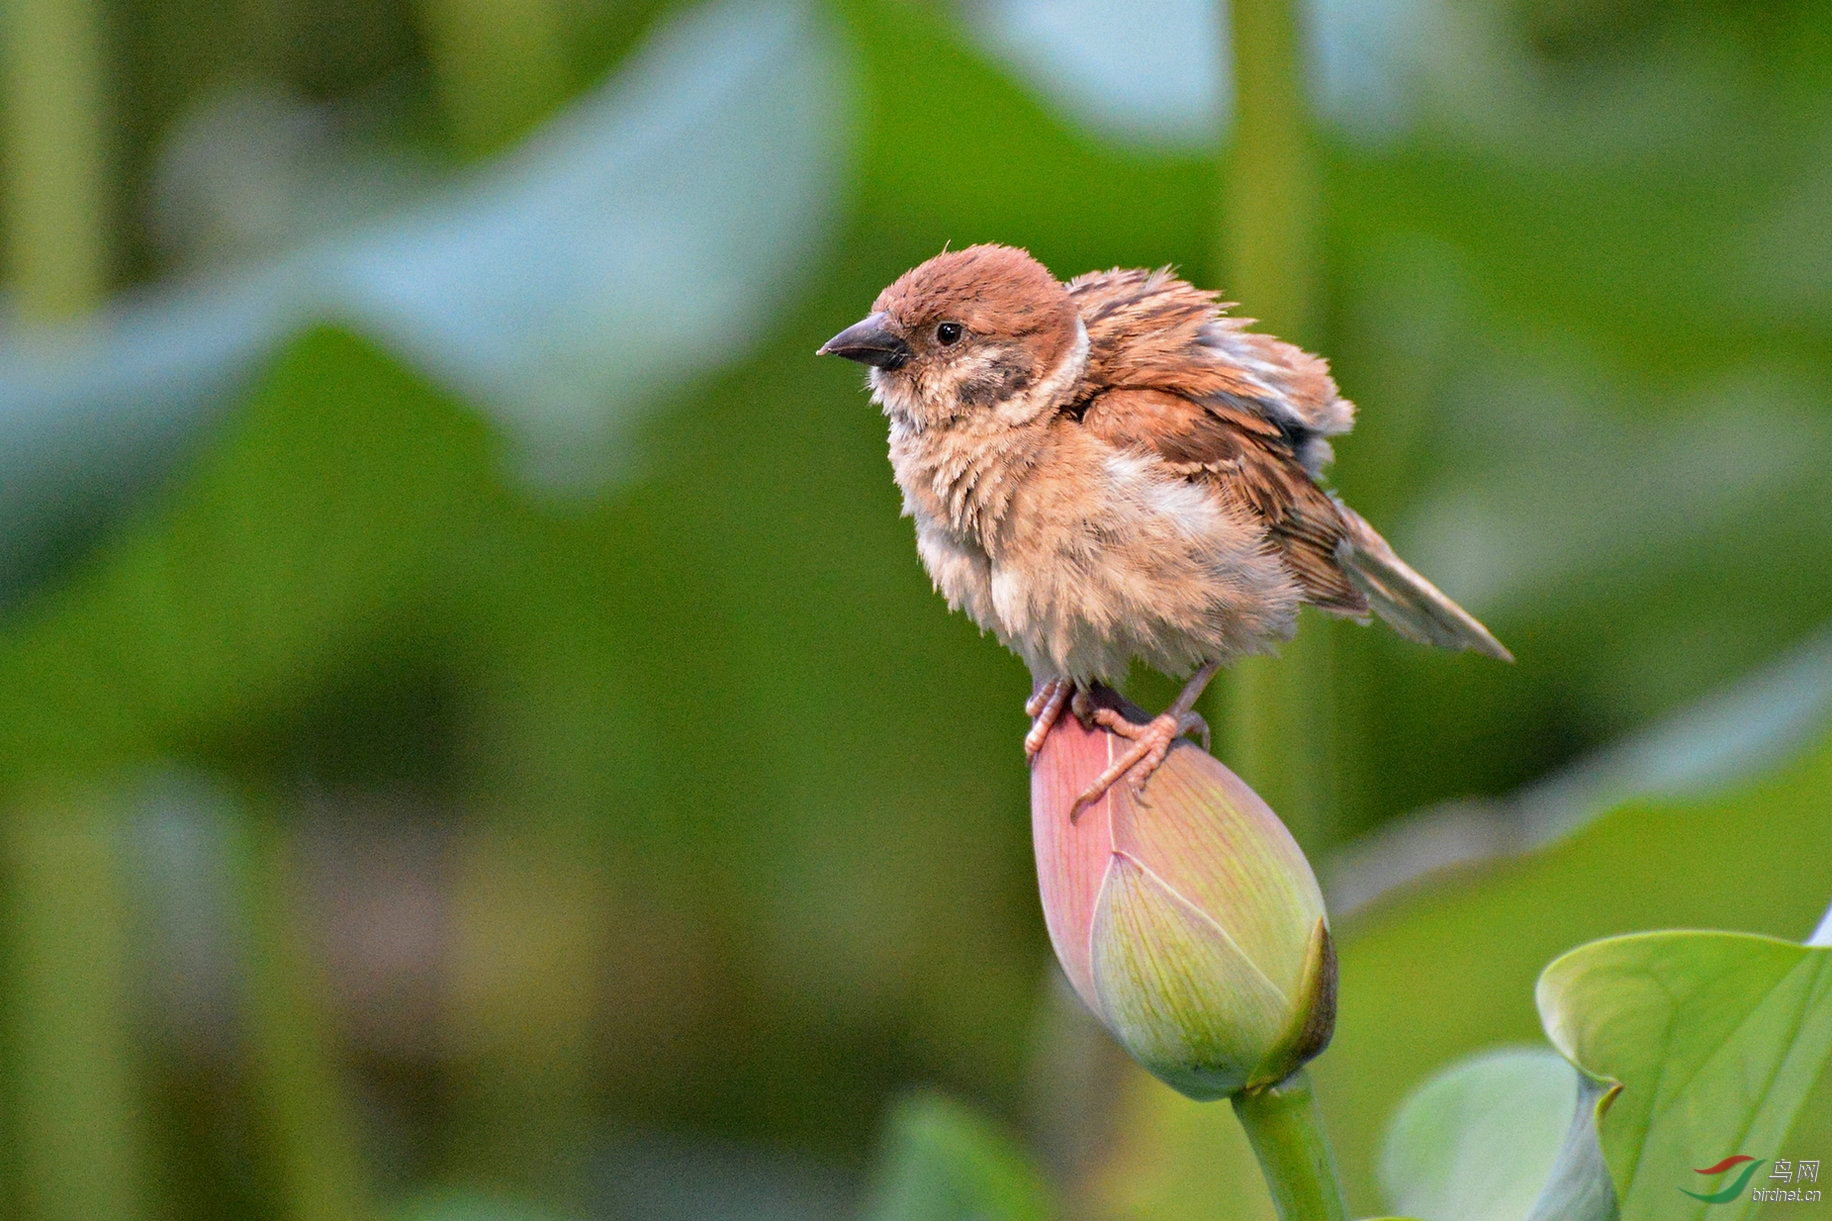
(1185, 917)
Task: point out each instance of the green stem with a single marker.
(1286, 1133)
(53, 136)
(1271, 243)
(500, 65)
(75, 1088)
(1279, 732)
(309, 1128)
(531, 913)
(1277, 720)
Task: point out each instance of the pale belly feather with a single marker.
(1137, 564)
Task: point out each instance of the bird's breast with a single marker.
(1086, 557)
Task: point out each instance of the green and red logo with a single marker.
(1735, 1190)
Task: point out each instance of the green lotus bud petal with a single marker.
(1186, 918)
(1159, 965)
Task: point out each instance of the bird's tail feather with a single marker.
(1411, 605)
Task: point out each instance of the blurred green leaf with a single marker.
(319, 515)
(469, 1206)
(1579, 1187)
(1716, 1039)
(1000, 167)
(1151, 73)
(941, 1161)
(1452, 966)
(1476, 1141)
(1506, 1135)
(646, 234)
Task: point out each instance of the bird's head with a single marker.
(987, 329)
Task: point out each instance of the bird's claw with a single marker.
(1151, 742)
(1044, 707)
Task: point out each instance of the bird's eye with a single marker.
(948, 334)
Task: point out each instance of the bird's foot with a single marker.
(1044, 707)
(1150, 743)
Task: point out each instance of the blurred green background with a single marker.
(476, 740)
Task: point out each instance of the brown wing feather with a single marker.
(1249, 463)
(1151, 330)
(1241, 412)
(1249, 414)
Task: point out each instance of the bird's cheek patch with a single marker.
(986, 378)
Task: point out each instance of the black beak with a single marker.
(868, 343)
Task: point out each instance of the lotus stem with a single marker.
(1286, 1133)
(310, 1128)
(72, 1078)
(1276, 716)
(500, 65)
(53, 129)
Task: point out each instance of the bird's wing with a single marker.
(1152, 330)
(1249, 464)
(1249, 414)
(1243, 413)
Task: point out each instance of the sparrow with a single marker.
(1115, 469)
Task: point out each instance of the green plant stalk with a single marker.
(1286, 1132)
(1279, 731)
(307, 1125)
(73, 1073)
(1277, 719)
(500, 66)
(1271, 242)
(531, 912)
(55, 164)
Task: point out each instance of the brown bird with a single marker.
(1114, 468)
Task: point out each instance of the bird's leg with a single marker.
(1044, 707)
(1150, 741)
